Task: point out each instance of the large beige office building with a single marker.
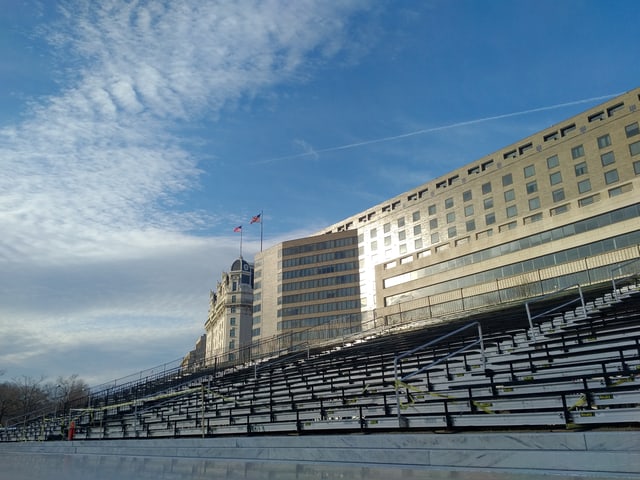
(557, 208)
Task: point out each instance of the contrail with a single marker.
(434, 129)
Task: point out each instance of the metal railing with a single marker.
(546, 297)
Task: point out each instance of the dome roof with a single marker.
(241, 265)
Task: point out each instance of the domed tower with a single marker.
(228, 325)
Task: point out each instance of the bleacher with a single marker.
(576, 368)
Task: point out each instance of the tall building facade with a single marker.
(557, 208)
(305, 283)
(228, 325)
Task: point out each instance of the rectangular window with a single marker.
(490, 218)
(604, 141)
(533, 218)
(468, 210)
(555, 178)
(636, 167)
(615, 108)
(433, 223)
(577, 152)
(534, 203)
(387, 241)
(471, 225)
(553, 162)
(448, 202)
(581, 169)
(529, 171)
(488, 203)
(559, 210)
(402, 235)
(532, 187)
(486, 187)
(417, 230)
(451, 232)
(588, 200)
(401, 222)
(607, 158)
(417, 243)
(634, 148)
(507, 180)
(373, 233)
(558, 195)
(435, 237)
(467, 196)
(584, 186)
(485, 234)
(403, 248)
(512, 211)
(451, 217)
(507, 226)
(632, 130)
(386, 228)
(509, 195)
(374, 246)
(432, 209)
(611, 176)
(416, 216)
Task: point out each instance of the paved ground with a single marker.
(32, 466)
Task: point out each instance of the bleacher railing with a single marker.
(548, 312)
(627, 272)
(399, 381)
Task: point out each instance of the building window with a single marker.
(451, 232)
(534, 203)
(232, 345)
(636, 167)
(417, 243)
(417, 230)
(448, 203)
(588, 200)
(471, 225)
(490, 218)
(232, 332)
(435, 237)
(607, 158)
(467, 196)
(604, 141)
(507, 180)
(559, 210)
(232, 309)
(581, 169)
(386, 228)
(415, 216)
(488, 203)
(387, 241)
(432, 209)
(402, 235)
(374, 246)
(512, 211)
(533, 218)
(255, 332)
(233, 299)
(373, 233)
(232, 321)
(577, 152)
(529, 171)
(468, 210)
(584, 186)
(451, 217)
(403, 248)
(634, 148)
(486, 187)
(507, 226)
(555, 178)
(632, 130)
(558, 195)
(433, 223)
(509, 195)
(401, 222)
(611, 176)
(553, 162)
(532, 187)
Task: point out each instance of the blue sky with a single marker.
(135, 135)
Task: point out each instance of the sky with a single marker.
(135, 135)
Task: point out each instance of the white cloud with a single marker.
(90, 257)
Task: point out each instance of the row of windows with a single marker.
(576, 228)
(319, 308)
(319, 282)
(325, 245)
(320, 270)
(342, 319)
(319, 258)
(319, 295)
(565, 256)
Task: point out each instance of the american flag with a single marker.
(255, 219)
(238, 228)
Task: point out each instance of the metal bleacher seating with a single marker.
(578, 368)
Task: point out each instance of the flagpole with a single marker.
(261, 223)
(240, 242)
